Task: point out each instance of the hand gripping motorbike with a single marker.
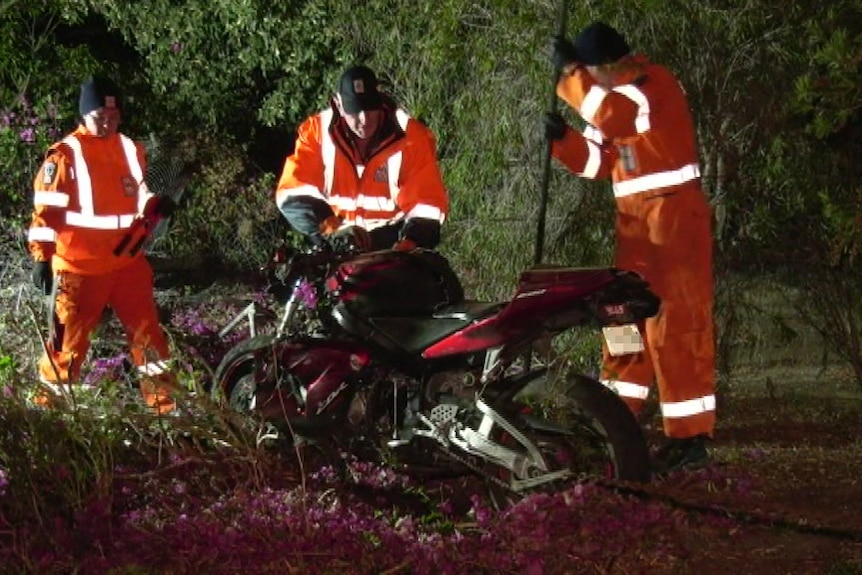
(381, 354)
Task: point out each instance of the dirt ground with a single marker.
(786, 469)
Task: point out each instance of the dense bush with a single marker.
(778, 129)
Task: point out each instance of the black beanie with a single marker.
(599, 44)
(98, 92)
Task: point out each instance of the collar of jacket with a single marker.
(387, 134)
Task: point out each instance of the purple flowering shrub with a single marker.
(102, 487)
(110, 493)
(197, 512)
(195, 332)
(26, 130)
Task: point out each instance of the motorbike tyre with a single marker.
(237, 363)
(584, 418)
(596, 408)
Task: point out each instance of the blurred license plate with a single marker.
(623, 339)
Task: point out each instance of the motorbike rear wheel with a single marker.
(586, 429)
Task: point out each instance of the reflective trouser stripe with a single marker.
(626, 388)
(688, 408)
(153, 368)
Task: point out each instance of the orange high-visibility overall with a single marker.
(401, 181)
(86, 196)
(640, 133)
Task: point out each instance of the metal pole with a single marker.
(546, 173)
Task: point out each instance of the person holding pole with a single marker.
(640, 134)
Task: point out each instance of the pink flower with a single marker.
(27, 135)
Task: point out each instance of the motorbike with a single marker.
(380, 355)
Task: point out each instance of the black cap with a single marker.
(358, 90)
(599, 44)
(98, 92)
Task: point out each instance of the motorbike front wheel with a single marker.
(237, 363)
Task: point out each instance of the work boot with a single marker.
(681, 452)
(159, 397)
(45, 399)
(53, 395)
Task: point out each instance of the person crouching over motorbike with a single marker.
(88, 194)
(365, 168)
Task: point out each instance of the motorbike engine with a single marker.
(397, 404)
(456, 387)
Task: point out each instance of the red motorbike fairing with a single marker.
(541, 293)
(325, 368)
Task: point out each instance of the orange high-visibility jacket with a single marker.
(86, 196)
(640, 133)
(400, 183)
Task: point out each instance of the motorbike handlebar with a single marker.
(288, 265)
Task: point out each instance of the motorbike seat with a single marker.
(413, 334)
(468, 310)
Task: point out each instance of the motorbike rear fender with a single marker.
(540, 424)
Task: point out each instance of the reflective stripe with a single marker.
(153, 368)
(61, 388)
(426, 211)
(120, 222)
(594, 98)
(393, 165)
(131, 152)
(327, 151)
(53, 199)
(309, 191)
(41, 234)
(369, 203)
(85, 186)
(402, 118)
(144, 195)
(592, 101)
(626, 388)
(635, 94)
(374, 223)
(594, 134)
(87, 217)
(594, 161)
(54, 388)
(688, 408)
(657, 180)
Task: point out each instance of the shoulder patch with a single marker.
(49, 172)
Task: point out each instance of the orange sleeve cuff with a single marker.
(330, 225)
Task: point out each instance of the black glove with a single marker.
(167, 206)
(555, 126)
(356, 235)
(563, 53)
(43, 276)
(161, 206)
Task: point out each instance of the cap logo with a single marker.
(359, 86)
(110, 102)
